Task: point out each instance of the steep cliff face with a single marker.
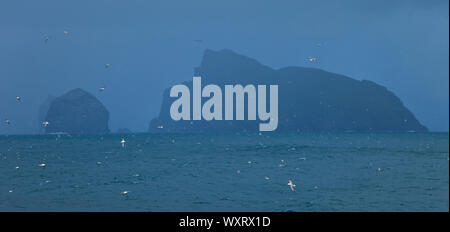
(309, 99)
(43, 109)
(77, 112)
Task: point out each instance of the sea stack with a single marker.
(77, 112)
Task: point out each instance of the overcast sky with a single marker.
(403, 45)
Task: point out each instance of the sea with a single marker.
(225, 172)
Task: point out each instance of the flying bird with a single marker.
(291, 185)
(46, 38)
(313, 59)
(321, 44)
(125, 193)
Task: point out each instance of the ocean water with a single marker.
(228, 172)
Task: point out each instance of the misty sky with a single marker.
(403, 45)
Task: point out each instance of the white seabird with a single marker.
(18, 98)
(42, 165)
(46, 38)
(107, 65)
(313, 59)
(291, 185)
(123, 142)
(66, 32)
(45, 124)
(101, 89)
(125, 193)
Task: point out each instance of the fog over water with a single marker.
(152, 45)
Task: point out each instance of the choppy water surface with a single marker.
(332, 172)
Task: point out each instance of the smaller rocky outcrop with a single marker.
(77, 112)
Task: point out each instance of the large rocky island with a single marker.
(309, 100)
(77, 112)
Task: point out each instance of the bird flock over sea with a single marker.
(48, 38)
(126, 193)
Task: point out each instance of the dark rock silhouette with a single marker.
(309, 99)
(43, 109)
(77, 112)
